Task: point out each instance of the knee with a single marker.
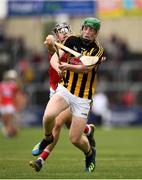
(74, 140)
(48, 118)
(58, 125)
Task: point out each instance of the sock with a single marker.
(42, 161)
(89, 153)
(49, 137)
(44, 155)
(87, 130)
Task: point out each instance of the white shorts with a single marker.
(10, 109)
(79, 106)
(52, 92)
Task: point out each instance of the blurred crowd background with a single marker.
(24, 25)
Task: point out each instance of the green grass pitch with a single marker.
(119, 156)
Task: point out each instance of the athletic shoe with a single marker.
(36, 165)
(38, 149)
(90, 161)
(90, 137)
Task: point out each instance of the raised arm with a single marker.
(55, 61)
(49, 43)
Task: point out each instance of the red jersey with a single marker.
(54, 77)
(8, 90)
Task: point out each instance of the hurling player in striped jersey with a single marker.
(61, 32)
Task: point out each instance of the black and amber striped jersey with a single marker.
(82, 84)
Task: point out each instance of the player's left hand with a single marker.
(63, 66)
(49, 40)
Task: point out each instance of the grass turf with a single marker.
(119, 156)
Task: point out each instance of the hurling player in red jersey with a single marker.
(61, 32)
(10, 94)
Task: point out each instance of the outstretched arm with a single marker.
(80, 68)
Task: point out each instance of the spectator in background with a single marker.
(117, 49)
(12, 100)
(128, 98)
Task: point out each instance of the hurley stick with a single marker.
(86, 60)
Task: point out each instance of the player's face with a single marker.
(89, 33)
(63, 33)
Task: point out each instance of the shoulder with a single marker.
(97, 49)
(98, 44)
